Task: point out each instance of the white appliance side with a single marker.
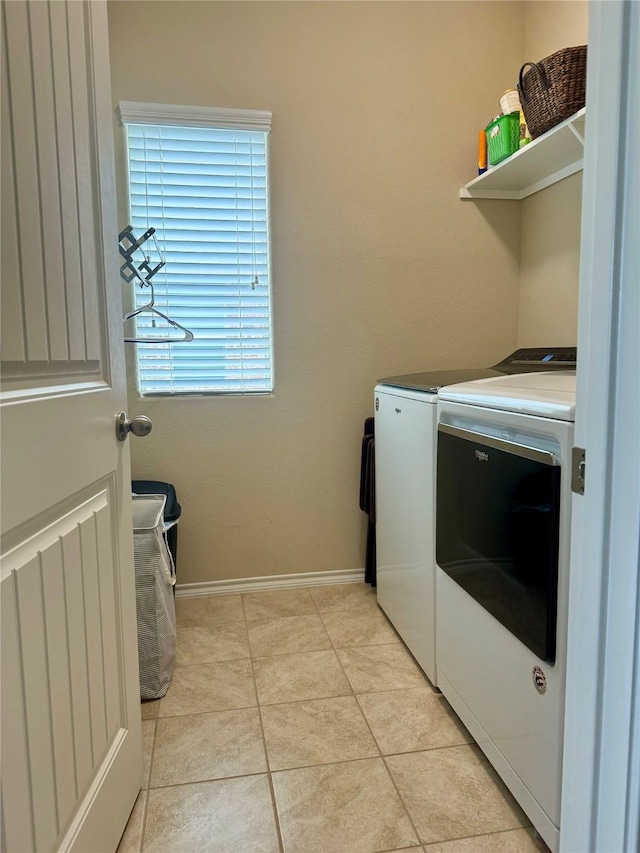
(405, 424)
(484, 669)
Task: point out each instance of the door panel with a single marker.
(12, 343)
(65, 131)
(20, 118)
(35, 686)
(70, 690)
(60, 697)
(17, 821)
(78, 674)
(44, 98)
(52, 293)
(63, 604)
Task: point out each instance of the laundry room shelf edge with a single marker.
(546, 160)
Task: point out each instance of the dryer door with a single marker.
(497, 530)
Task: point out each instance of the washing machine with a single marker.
(503, 507)
(405, 459)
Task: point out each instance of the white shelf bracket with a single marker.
(576, 133)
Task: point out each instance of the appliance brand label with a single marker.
(539, 680)
(481, 456)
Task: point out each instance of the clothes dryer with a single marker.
(502, 551)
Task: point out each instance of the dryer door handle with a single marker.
(513, 447)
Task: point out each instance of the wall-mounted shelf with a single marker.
(546, 160)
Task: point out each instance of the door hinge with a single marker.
(578, 468)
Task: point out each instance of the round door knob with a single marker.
(140, 426)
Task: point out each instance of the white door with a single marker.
(71, 757)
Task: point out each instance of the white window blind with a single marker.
(204, 189)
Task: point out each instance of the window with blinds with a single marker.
(199, 177)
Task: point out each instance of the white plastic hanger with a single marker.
(149, 308)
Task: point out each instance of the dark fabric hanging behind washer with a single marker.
(368, 497)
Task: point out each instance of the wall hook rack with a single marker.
(142, 273)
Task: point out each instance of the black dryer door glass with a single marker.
(497, 528)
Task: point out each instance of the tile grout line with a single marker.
(373, 645)
(335, 652)
(378, 610)
(148, 788)
(306, 767)
(256, 705)
(425, 749)
(402, 800)
(294, 701)
(143, 826)
(269, 772)
(324, 625)
(428, 844)
(458, 838)
(212, 711)
(260, 704)
(335, 696)
(274, 804)
(209, 662)
(249, 658)
(396, 642)
(485, 761)
(332, 648)
(212, 663)
(525, 828)
(393, 782)
(212, 779)
(153, 749)
(389, 774)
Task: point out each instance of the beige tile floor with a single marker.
(296, 722)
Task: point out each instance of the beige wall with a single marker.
(553, 24)
(550, 247)
(377, 267)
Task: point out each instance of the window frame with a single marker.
(222, 118)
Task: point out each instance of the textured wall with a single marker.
(550, 248)
(377, 267)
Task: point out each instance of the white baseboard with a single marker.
(191, 590)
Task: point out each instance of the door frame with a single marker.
(601, 784)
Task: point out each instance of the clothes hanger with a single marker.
(150, 309)
(129, 271)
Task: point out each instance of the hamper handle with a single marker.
(543, 77)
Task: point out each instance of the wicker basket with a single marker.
(553, 89)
